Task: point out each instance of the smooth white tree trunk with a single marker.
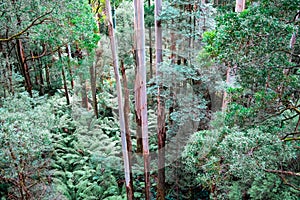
(140, 88)
(120, 99)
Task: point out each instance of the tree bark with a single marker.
(47, 70)
(64, 78)
(69, 65)
(150, 46)
(139, 139)
(41, 77)
(84, 97)
(161, 129)
(140, 89)
(93, 88)
(9, 68)
(126, 120)
(129, 189)
(25, 68)
(239, 5)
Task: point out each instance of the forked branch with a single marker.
(35, 22)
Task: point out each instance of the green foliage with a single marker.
(239, 156)
(43, 28)
(185, 111)
(149, 17)
(236, 163)
(25, 147)
(86, 161)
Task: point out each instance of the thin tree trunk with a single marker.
(42, 92)
(34, 66)
(161, 129)
(139, 139)
(140, 89)
(9, 68)
(190, 36)
(174, 58)
(64, 78)
(126, 120)
(129, 189)
(173, 45)
(4, 81)
(25, 68)
(47, 70)
(93, 88)
(150, 45)
(84, 98)
(69, 65)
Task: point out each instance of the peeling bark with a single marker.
(140, 89)
(129, 189)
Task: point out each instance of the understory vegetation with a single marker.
(222, 102)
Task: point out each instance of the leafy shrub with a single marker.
(25, 147)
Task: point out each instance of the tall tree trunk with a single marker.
(25, 67)
(69, 65)
(4, 81)
(9, 68)
(42, 84)
(239, 5)
(173, 45)
(129, 189)
(64, 78)
(174, 58)
(150, 45)
(161, 129)
(126, 120)
(139, 138)
(140, 89)
(47, 70)
(84, 97)
(230, 73)
(93, 88)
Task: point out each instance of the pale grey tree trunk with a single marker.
(120, 102)
(239, 5)
(140, 88)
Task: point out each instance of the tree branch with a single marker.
(289, 184)
(38, 56)
(33, 23)
(290, 139)
(283, 172)
(287, 134)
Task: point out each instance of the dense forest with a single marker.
(156, 99)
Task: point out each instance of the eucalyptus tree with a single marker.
(253, 145)
(140, 88)
(126, 158)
